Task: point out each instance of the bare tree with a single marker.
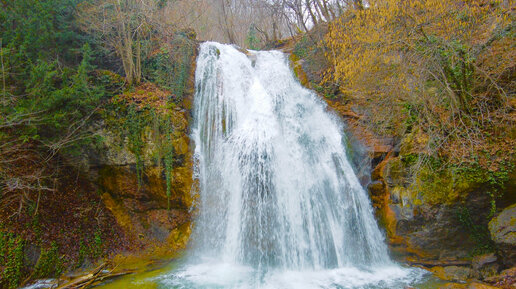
(122, 25)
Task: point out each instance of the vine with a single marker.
(98, 244)
(49, 263)
(135, 125)
(478, 232)
(13, 260)
(169, 158)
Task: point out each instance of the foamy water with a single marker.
(279, 203)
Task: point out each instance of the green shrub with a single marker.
(50, 263)
(14, 256)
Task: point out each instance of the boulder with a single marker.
(503, 232)
(485, 265)
(420, 213)
(477, 285)
(506, 277)
(453, 273)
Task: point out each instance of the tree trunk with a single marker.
(128, 43)
(138, 70)
(227, 28)
(323, 11)
(310, 12)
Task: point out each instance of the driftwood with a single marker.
(98, 274)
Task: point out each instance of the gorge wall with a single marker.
(443, 219)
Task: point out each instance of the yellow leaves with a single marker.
(364, 43)
(399, 52)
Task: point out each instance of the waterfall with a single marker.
(279, 205)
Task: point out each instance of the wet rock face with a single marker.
(504, 279)
(453, 273)
(417, 228)
(453, 286)
(477, 285)
(142, 210)
(147, 209)
(142, 168)
(486, 265)
(503, 233)
(434, 233)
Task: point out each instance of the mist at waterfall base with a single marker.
(279, 205)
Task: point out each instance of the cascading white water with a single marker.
(279, 203)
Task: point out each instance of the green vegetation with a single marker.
(12, 256)
(50, 263)
(170, 67)
(169, 159)
(436, 76)
(478, 232)
(92, 247)
(303, 47)
(98, 245)
(48, 94)
(83, 253)
(438, 67)
(252, 40)
(56, 83)
(62, 81)
(135, 125)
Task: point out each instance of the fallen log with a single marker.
(97, 275)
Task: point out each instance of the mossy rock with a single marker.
(444, 186)
(435, 187)
(396, 173)
(297, 67)
(178, 238)
(415, 142)
(503, 232)
(454, 286)
(453, 273)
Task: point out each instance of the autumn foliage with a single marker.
(443, 70)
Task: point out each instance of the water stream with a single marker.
(279, 203)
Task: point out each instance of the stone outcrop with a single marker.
(435, 218)
(472, 285)
(453, 273)
(418, 226)
(503, 233)
(144, 210)
(486, 265)
(505, 278)
(134, 188)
